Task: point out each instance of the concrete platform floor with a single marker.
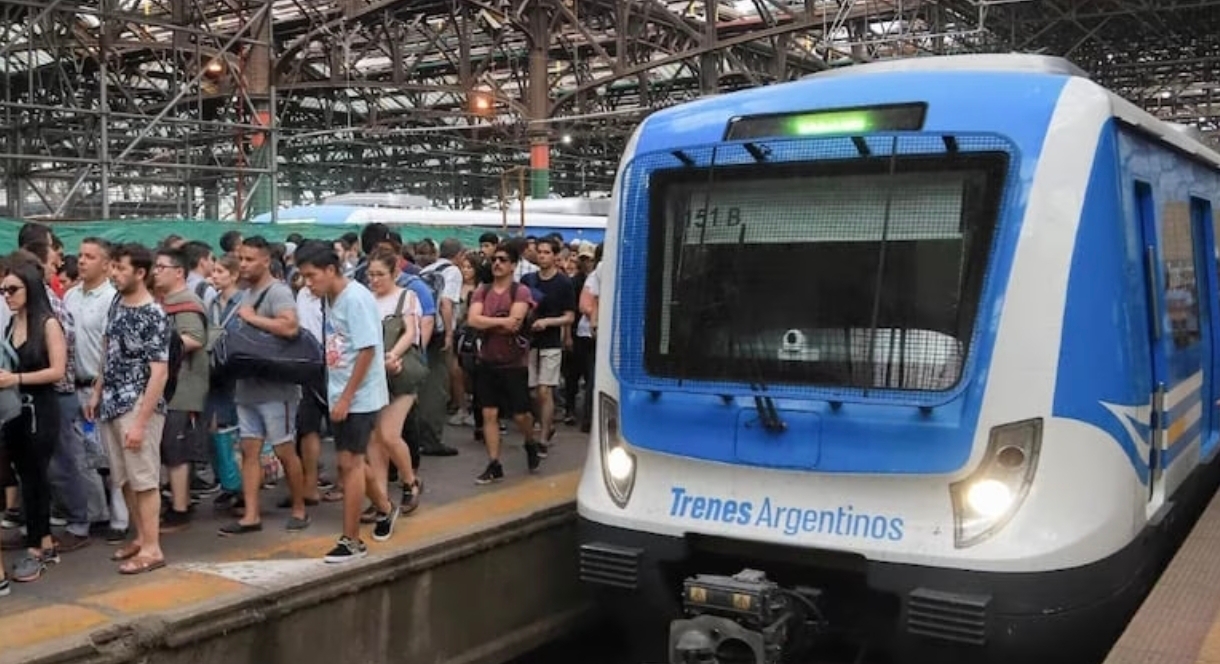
(1179, 621)
(85, 593)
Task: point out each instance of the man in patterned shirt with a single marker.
(128, 403)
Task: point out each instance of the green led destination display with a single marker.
(836, 122)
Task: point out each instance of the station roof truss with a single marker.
(155, 107)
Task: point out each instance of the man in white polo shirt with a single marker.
(89, 303)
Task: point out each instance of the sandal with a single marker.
(141, 565)
(126, 552)
(333, 496)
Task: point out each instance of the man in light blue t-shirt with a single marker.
(356, 390)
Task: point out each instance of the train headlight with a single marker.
(618, 463)
(987, 500)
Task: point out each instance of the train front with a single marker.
(805, 429)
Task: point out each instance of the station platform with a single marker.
(1179, 621)
(476, 574)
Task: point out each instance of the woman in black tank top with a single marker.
(42, 356)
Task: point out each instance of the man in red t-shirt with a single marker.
(498, 311)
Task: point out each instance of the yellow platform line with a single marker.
(45, 624)
(434, 523)
(172, 589)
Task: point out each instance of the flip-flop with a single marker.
(140, 565)
(126, 552)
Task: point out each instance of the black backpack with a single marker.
(177, 351)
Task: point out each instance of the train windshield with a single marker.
(864, 273)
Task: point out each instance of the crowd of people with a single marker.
(123, 404)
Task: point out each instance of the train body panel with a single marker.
(1065, 522)
(1034, 451)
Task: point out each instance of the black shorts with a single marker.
(311, 415)
(506, 389)
(183, 439)
(352, 434)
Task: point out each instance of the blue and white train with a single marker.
(932, 345)
(579, 225)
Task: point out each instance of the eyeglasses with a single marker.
(158, 267)
(9, 291)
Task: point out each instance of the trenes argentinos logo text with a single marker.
(791, 520)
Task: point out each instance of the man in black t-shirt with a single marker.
(556, 310)
(482, 260)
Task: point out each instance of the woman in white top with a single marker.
(404, 355)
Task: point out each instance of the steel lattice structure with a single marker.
(207, 108)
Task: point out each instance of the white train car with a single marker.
(591, 227)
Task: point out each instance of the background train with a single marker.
(931, 343)
(575, 219)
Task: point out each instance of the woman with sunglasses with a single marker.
(42, 358)
(406, 372)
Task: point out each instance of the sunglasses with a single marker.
(9, 291)
(500, 259)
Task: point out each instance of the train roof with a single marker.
(359, 215)
(982, 62)
(1182, 137)
(1179, 137)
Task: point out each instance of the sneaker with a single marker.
(5, 586)
(532, 456)
(201, 489)
(493, 473)
(12, 519)
(114, 536)
(69, 542)
(173, 521)
(58, 521)
(346, 551)
(543, 450)
(325, 484)
(33, 566)
(225, 500)
(384, 529)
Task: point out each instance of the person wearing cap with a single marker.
(586, 250)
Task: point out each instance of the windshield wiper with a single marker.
(693, 299)
(880, 281)
(764, 405)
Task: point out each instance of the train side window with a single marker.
(1180, 284)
